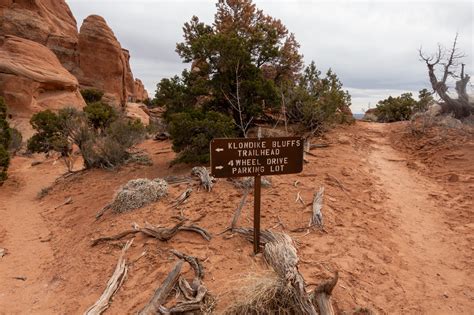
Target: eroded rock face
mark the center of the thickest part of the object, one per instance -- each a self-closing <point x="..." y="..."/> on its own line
<point x="48" y="22"/>
<point x="103" y="63"/>
<point x="141" y="93"/>
<point x="138" y="111"/>
<point x="32" y="79"/>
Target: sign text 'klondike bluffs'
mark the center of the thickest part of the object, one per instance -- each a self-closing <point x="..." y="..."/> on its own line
<point x="253" y="157"/>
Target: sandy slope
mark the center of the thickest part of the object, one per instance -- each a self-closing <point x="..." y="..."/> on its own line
<point x="400" y="237"/>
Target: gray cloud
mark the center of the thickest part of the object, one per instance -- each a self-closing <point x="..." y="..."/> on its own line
<point x="371" y="45"/>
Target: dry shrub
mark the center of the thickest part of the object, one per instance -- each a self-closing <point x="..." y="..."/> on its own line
<point x="138" y="193"/>
<point x="263" y="294"/>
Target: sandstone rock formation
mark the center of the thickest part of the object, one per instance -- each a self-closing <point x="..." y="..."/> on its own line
<point x="103" y="63"/>
<point x="32" y="79"/>
<point x="138" y="111"/>
<point x="141" y="93"/>
<point x="48" y="22"/>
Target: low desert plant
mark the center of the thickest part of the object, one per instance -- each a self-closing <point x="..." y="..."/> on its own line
<point x="5" y="141"/>
<point x="138" y="193"/>
<point x="92" y="95"/>
<point x="263" y="294"/>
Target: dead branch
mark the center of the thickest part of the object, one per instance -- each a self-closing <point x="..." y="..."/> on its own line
<point x="322" y="296"/>
<point x="194" y="262"/>
<point x="207" y="181"/>
<point x="163" y="234"/>
<point x="318" y="146"/>
<point x="102" y="211"/>
<point x="161" y="294"/>
<point x="196" y="229"/>
<point x="238" y="211"/>
<point x="182" y="198"/>
<point x="113" y="285"/>
<point x="333" y="180"/>
<point x="173" y="179"/>
<point x="299" y="199"/>
<point x="317" y="217"/>
<point x="68" y="201"/>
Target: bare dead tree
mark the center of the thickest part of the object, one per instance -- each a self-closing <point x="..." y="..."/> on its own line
<point x="236" y="104"/>
<point x="448" y="61"/>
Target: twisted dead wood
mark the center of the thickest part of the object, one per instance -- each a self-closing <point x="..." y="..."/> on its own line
<point x="160" y="233"/>
<point x="207" y="181"/>
<point x="113" y="285"/>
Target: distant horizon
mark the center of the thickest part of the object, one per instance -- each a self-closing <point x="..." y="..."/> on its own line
<point x="371" y="45"/>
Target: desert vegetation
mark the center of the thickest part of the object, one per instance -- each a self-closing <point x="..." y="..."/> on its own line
<point x="101" y="134"/>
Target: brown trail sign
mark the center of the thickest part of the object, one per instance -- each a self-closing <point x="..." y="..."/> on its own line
<point x="256" y="157"/>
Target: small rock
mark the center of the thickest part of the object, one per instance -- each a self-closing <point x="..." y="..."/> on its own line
<point x="3" y="252"/>
<point x="34" y="163"/>
<point x="445" y="294"/>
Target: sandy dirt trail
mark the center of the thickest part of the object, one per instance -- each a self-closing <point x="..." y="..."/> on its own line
<point x="431" y="259"/>
<point x="25" y="236"/>
<point x="389" y="234"/>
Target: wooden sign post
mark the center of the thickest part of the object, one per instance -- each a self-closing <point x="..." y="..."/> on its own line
<point x="256" y="157"/>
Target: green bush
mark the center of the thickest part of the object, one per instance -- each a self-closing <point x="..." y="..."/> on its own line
<point x="395" y="108"/>
<point x="102" y="148"/>
<point x="315" y="102"/>
<point x="100" y="115"/>
<point x="5" y="140"/>
<point x="192" y="132"/>
<point x="92" y="95"/>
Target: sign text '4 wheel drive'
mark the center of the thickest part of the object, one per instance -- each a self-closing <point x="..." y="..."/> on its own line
<point x="254" y="157"/>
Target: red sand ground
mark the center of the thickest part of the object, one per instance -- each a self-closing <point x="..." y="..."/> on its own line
<point x="400" y="232"/>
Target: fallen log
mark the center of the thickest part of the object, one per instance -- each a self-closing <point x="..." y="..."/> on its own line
<point x="161" y="294"/>
<point x="113" y="285"/>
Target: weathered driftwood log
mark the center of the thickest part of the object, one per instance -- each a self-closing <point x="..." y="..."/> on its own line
<point x="160" y="233"/>
<point x="161" y="294"/>
<point x="281" y="255"/>
<point x="322" y="296"/>
<point x="207" y="181"/>
<point x="114" y="283"/>
<point x="317" y="215"/>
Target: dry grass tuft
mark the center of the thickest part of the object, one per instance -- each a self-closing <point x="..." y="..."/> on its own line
<point x="138" y="193"/>
<point x="263" y="294"/>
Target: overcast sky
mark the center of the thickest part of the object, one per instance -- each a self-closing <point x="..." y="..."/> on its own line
<point x="371" y="45"/>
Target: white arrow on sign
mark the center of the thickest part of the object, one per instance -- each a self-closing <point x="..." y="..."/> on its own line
<point x="219" y="150"/>
<point x="219" y="167"/>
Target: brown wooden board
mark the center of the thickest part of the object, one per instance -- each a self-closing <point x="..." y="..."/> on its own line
<point x="253" y="157"/>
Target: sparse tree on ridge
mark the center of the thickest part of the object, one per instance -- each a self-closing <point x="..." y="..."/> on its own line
<point x="448" y="63"/>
